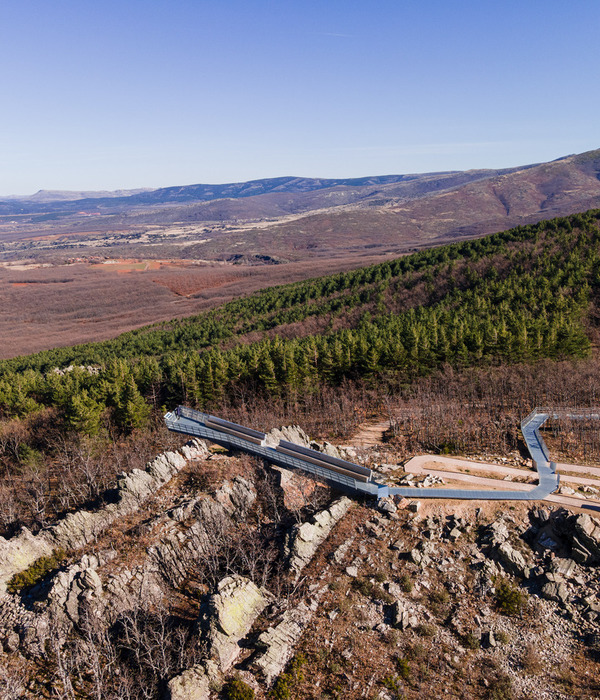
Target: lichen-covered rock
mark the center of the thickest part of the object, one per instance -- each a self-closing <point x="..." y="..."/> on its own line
<point x="192" y="684"/>
<point x="20" y="552"/>
<point x="278" y="642"/>
<point x="306" y="538"/>
<point x="232" y="612"/>
<point x="340" y="553"/>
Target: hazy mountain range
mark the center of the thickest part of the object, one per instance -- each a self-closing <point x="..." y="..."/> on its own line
<point x="389" y="210"/>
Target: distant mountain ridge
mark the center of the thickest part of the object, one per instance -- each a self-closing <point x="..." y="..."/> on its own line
<point x="74" y="195"/>
<point x="57" y="201"/>
<point x="295" y="218"/>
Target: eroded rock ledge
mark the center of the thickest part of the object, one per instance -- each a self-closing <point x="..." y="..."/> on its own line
<point x="80" y="528"/>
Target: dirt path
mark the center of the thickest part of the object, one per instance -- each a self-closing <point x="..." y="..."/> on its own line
<point x="369" y="434"/>
<point x="425" y="464"/>
<point x="477" y="481"/>
<point x="562" y="467"/>
<point x="417" y="465"/>
<point x="420" y="462"/>
<point x="573" y="502"/>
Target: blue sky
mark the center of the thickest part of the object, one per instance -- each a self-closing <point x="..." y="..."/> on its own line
<point x="105" y="95"/>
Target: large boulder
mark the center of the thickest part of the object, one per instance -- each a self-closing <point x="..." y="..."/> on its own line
<point x="586" y="540"/>
<point x="513" y="561"/>
<point x="192" y="684"/>
<point x="556" y="591"/>
<point x="291" y="433"/>
<point x="403" y="617"/>
<point x="306" y="538"/>
<point x="232" y="612"/>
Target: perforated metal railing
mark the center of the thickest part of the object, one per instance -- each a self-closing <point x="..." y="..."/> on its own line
<point x="190" y="422"/>
<point x="531" y="424"/>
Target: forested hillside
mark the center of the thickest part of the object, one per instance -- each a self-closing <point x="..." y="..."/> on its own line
<point x="514" y="297"/>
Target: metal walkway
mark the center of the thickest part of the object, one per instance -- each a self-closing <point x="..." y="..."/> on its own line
<point x="356" y="479"/>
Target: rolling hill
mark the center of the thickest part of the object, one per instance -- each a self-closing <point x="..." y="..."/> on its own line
<point x="120" y="266"/>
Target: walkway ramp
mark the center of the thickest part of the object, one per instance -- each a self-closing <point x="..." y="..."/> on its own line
<point x="355" y="478"/>
<point x="343" y="475"/>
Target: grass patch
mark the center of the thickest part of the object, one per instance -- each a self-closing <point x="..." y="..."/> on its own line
<point x="36" y="572"/>
<point x="510" y="599"/>
<point x="236" y="689"/>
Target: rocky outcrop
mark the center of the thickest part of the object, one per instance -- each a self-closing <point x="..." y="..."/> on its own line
<point x="236" y="498"/>
<point x="75" y="590"/>
<point x="297" y="489"/>
<point x="192" y="684"/>
<point x="403" y="615"/>
<point x="496" y="538"/>
<point x="232" y="612"/>
<point x="277" y="643"/>
<point x="291" y="433"/>
<point x="229" y="616"/>
<point x="207" y="522"/>
<point x="556" y="590"/>
<point x="306" y="538"/>
<point x="80" y="528"/>
<point x="20" y="552"/>
<point x="585" y="540"/>
<point x="513" y="561"/>
<point x="574" y="536"/>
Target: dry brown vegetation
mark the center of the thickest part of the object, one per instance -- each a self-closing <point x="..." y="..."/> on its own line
<point x="325" y="231"/>
<point x="45" y="473"/>
<point x="68" y="304"/>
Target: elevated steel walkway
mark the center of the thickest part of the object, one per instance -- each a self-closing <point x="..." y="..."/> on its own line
<point x="356" y="479"/>
<point x="189" y="422"/>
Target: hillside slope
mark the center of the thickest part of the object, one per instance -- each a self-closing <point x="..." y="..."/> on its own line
<point x="290" y="186"/>
<point x="452" y="346"/>
<point x="521" y="295"/>
<point x="299" y="218"/>
<point x="396" y="218"/>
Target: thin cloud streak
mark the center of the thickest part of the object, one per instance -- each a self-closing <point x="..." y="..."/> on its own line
<point x="344" y="36"/>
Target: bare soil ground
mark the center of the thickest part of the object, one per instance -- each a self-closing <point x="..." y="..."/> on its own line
<point x="370" y="434"/>
<point x="57" y="305"/>
<point x="452" y="469"/>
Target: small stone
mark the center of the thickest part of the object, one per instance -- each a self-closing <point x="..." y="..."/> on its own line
<point x="11" y="642"/>
<point x="387" y="505"/>
<point x="415" y="556"/>
<point x="454" y="534"/>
